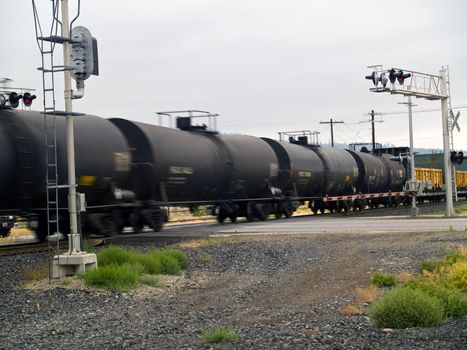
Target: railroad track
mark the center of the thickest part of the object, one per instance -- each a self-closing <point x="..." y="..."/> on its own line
<point x="35" y="246"/>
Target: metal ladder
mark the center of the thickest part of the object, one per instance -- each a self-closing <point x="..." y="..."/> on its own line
<point x="48" y="69"/>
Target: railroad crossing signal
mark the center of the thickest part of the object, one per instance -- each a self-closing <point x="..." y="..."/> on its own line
<point x="377" y="78"/>
<point x="457" y="157"/>
<point x="28" y="98"/>
<point x="398" y="75"/>
<point x="14" y="99"/>
<point x="454" y="123"/>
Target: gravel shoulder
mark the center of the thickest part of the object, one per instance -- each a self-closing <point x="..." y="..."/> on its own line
<point x="277" y="292"/>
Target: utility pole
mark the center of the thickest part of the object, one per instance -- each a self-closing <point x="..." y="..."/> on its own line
<point x="372" y="130"/>
<point x="331" y="122"/>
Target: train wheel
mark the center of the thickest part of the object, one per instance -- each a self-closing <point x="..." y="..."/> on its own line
<point x="119" y="225"/>
<point x="277" y="211"/>
<point x="233" y="218"/>
<point x="136" y="223"/>
<point x="314" y="207"/>
<point x="262" y="211"/>
<point x="287" y="209"/>
<point x="154" y="218"/>
<point x="4" y="232"/>
<point x="250" y="212"/>
<point x="221" y="215"/>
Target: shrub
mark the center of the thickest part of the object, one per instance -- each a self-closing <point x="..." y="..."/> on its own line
<point x="220" y="335"/>
<point x="427" y="265"/>
<point x="406" y="307"/>
<point x="457" y="276"/>
<point x="116" y="278"/>
<point x="453" y="302"/>
<point x="380" y="279"/>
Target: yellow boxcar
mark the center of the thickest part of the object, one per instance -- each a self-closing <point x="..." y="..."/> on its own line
<point x="436" y="177"/>
<point x="461" y="180"/>
<point x="433" y="175"/>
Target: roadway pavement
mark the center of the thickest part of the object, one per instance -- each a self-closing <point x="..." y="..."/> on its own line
<point x="317" y="224"/>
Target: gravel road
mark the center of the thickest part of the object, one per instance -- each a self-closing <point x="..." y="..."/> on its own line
<point x="279" y="292"/>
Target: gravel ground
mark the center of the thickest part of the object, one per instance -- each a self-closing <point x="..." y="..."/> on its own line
<point x="280" y="292"/>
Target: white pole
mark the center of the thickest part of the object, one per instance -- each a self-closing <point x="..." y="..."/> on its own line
<point x="73" y="241"/>
<point x="447" y="151"/>
<point x="414" y="209"/>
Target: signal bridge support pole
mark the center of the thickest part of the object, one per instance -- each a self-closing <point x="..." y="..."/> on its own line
<point x="414" y="211"/>
<point x="447" y="152"/>
<point x="75" y="260"/>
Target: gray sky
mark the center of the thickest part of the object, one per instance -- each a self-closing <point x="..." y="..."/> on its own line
<point x="264" y="65"/>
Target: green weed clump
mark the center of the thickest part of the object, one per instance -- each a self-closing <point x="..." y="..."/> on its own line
<point x="405" y="308"/>
<point x="114" y="255"/>
<point x="438" y="290"/>
<point x="220" y="335"/>
<point x="115" y="278"/>
<point x="461" y="209"/>
<point x="121" y="269"/>
<point x="381" y="279"/>
<point x="453" y="301"/>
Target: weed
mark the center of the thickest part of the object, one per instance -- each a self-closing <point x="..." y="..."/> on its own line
<point x="427" y="265"/>
<point x="456" y="276"/>
<point x="116" y="278"/>
<point x="461" y="209"/>
<point x="367" y="295"/>
<point x="114" y="255"/>
<point x="37" y="273"/>
<point x="403" y="277"/>
<point x="406" y="307"/>
<point x="120" y="269"/>
<point x="65" y="281"/>
<point x="381" y="279"/>
<point x="176" y="254"/>
<point x="205" y="242"/>
<point x="451" y="228"/>
<point x="453" y="302"/>
<point x="350" y="310"/>
<point x="150" y="280"/>
<point x="220" y="335"/>
<point x="206" y="258"/>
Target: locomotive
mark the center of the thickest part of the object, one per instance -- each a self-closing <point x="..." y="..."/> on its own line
<point x="131" y="172"/>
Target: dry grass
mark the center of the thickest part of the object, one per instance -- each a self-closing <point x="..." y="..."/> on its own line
<point x="37" y="273"/>
<point x="403" y="277"/>
<point x="368" y="294"/>
<point x="205" y="242"/>
<point x="350" y="310"/>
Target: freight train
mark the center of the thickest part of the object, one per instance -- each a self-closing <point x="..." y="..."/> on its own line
<point x="131" y="172"/>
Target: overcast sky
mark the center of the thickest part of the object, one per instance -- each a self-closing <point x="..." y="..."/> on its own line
<point x="263" y="65"/>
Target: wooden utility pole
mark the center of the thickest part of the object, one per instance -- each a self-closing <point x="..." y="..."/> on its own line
<point x="331" y="122"/>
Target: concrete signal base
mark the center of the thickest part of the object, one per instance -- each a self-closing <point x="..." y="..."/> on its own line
<point x="70" y="264"/>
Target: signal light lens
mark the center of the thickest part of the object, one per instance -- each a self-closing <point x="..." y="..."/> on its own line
<point x="14" y="99"/>
<point x="402" y="77"/>
<point x="460" y="158"/>
<point x="28" y="98"/>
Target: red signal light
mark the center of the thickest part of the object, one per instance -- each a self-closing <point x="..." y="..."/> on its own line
<point x="28" y="98"/>
<point x="460" y="158"/>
